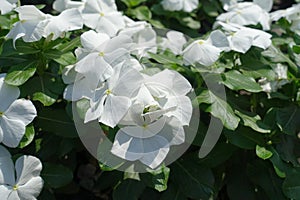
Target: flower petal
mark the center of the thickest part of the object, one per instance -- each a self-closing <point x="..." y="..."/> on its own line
<point x="14" y="195"/>
<point x="68" y="20"/>
<point x="91" y="40"/>
<point x="183" y="111"/>
<point x="145" y="132"/>
<point x="7" y="173"/>
<point x="155" y="151"/>
<point x="13" y="131"/>
<point x="127" y="147"/>
<point x="115" y="108"/>
<point x="22" y="110"/>
<point x="31" y="189"/>
<point x="5" y="192"/>
<point x="27" y="167"/>
<point x="172" y="82"/>
<point x="8" y="94"/>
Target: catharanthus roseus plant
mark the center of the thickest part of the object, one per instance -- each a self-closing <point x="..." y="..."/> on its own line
<point x="149" y="99"/>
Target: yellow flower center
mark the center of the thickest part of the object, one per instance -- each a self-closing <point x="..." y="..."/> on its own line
<point x="15" y="187"/>
<point x="101" y="14"/>
<point x="1" y="114"/>
<point x="201" y="42"/>
<point x="145" y="126"/>
<point x="108" y="92"/>
<point x="101" y="53"/>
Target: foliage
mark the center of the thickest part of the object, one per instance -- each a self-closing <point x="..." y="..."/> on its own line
<point x="257" y="154"/>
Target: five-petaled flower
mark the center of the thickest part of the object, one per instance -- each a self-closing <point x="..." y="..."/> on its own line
<point x="21" y="181"/>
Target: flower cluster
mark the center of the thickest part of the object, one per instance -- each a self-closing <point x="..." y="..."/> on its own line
<point x="151" y="110"/>
<point x="34" y="24"/>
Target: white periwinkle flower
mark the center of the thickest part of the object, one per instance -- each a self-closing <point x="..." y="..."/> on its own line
<point x="174" y="41"/>
<point x="176" y="5"/>
<point x="206" y="52"/>
<point x="290" y="13"/>
<point x="113" y="99"/>
<point x="34" y="24"/>
<point x="15" y="114"/>
<point x="26" y="184"/>
<point x="242" y="38"/>
<point x="246" y="13"/>
<point x="102" y="15"/>
<point x="143" y="36"/>
<point x="98" y="55"/>
<point x="7" y="5"/>
<point x="155" y="120"/>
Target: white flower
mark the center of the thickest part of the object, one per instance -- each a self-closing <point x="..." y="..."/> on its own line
<point x="142" y="35"/>
<point x="31" y="25"/>
<point x="15" y="114"/>
<point x="113" y="99"/>
<point x="155" y="121"/>
<point x="99" y="54"/>
<point x="7" y="5"/>
<point x="27" y="184"/>
<point x="34" y="24"/>
<point x="68" y="20"/>
<point x="290" y="13"/>
<point x="61" y="5"/>
<point x="176" y="5"/>
<point x="242" y="38"/>
<point x="102" y="15"/>
<point x="206" y="52"/>
<point x="174" y="41"/>
<point x="280" y="80"/>
<point x="246" y="13"/>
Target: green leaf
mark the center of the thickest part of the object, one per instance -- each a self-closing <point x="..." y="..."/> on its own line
<point x="28" y="137"/>
<point x="291" y="185"/>
<point x="66" y="59"/>
<point x="288" y="119"/>
<point x="220" y="109"/>
<point x="220" y="153"/>
<point x="157" y="179"/>
<point x="253" y="121"/>
<point x="276" y="56"/>
<point x="196" y="181"/>
<point x="245" y="138"/>
<point x="133" y="3"/>
<point x="142" y="13"/>
<point x="173" y="193"/>
<point x="165" y="59"/>
<point x="261" y="174"/>
<point x="296" y="49"/>
<point x="69" y="46"/>
<point x="56" y="121"/>
<point x="43" y="98"/>
<point x="237" y="81"/>
<point x="19" y="74"/>
<point x="56" y="175"/>
<point x="263" y="153"/>
<point x="190" y="22"/>
<point x="128" y="189"/>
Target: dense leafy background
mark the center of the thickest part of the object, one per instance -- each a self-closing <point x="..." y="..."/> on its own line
<point x="257" y="156"/>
